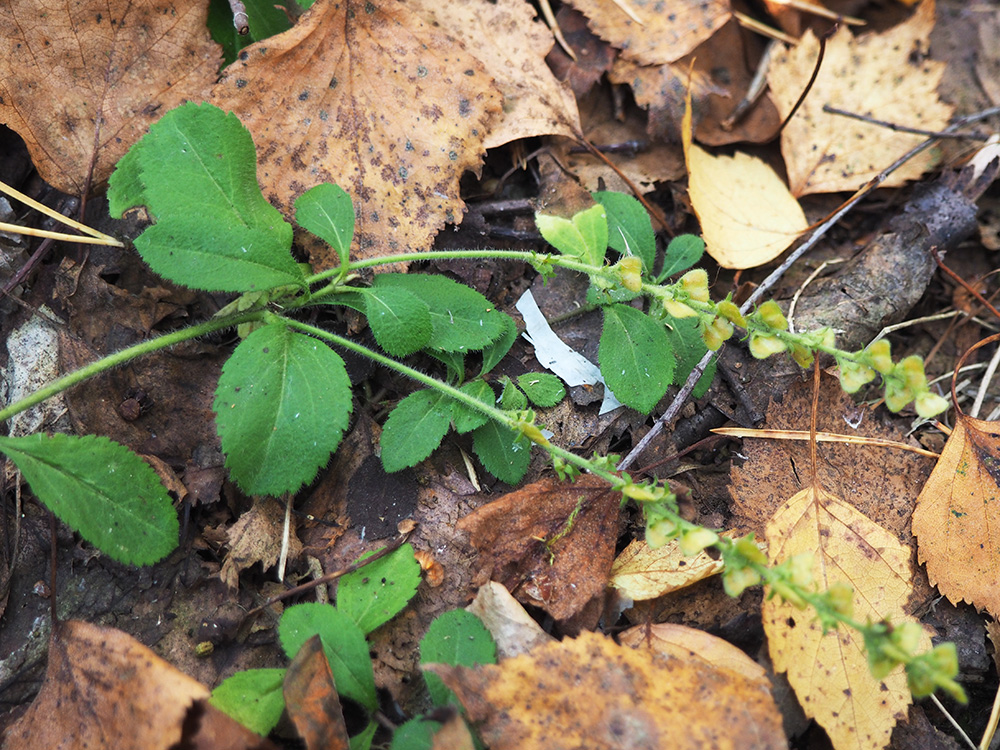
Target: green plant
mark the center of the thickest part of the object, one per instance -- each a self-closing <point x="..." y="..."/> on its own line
<point x="284" y="398"/>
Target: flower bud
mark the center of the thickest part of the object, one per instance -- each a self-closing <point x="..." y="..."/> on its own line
<point x="800" y="569"/>
<point x="659" y="531"/>
<point x="695" y="540"/>
<point x="737" y="580"/>
<point x="716" y="333"/>
<point x="770" y="313"/>
<point x="731" y="312"/>
<point x="853" y="376"/>
<point x="678" y="309"/>
<point x="788" y="594"/>
<point x="802" y="356"/>
<point x="879" y="356"/>
<point x="911" y="370"/>
<point x="907" y="636"/>
<point x="747" y="547"/>
<point x="929" y="404"/>
<point x="642" y="493"/>
<point x="630" y="272"/>
<point x="695" y="283"/>
<point x="763" y="346"/>
<point x="897" y="396"/>
<point x="841" y="598"/>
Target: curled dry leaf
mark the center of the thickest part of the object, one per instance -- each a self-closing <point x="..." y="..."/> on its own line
<point x="829" y="672"/>
<point x="637" y="699"/>
<point x="514" y="631"/>
<point x="105" y="689"/>
<point x="383" y="104"/>
<point x="661" y="37"/>
<point x="527" y="542"/>
<point x="81" y="83"/>
<point x="256" y="538"/>
<point x="886" y="76"/>
<point x="956" y="519"/>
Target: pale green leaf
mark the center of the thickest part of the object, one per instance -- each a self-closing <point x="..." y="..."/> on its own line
<point x="585" y="236"/>
<point x="253" y="697"/>
<point x="326" y="211"/>
<point x="635" y="357"/>
<point x="374" y="594"/>
<point x="415" y="429"/>
<point x="630" y="231"/>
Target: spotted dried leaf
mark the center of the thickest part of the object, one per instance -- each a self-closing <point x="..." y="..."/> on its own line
<point x="371" y="97"/>
<point x="81" y="83"/>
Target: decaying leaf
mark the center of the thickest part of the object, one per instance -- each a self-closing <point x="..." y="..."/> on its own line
<point x="830" y="672"/>
<point x="514" y="631"/>
<point x="370" y="97"/>
<point x="524" y="544"/>
<point x="105" y="689"/>
<point x="312" y="701"/>
<point x="886" y="76"/>
<point x="639" y="698"/>
<point x="661" y="36"/>
<point x="747" y="215"/>
<point x="957" y="519"/>
<point x="256" y="537"/>
<point x="512" y="47"/>
<point x="691" y="643"/>
<point x="81" y="83"/>
<point x="641" y="572"/>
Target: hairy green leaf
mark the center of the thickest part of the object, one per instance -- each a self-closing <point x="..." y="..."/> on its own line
<point x="415" y="734"/>
<point x="511" y="397"/>
<point x="400" y="320"/>
<point x="374" y="594"/>
<point x="685" y="338"/>
<point x="542" y="388"/>
<point x="457" y="638"/>
<point x="461" y="318"/>
<point x="630" y="231"/>
<point x="414" y="429"/>
<point x="327" y="212"/>
<point x="466" y="418"/>
<point x="504" y="453"/>
<point x="100" y="489"/>
<point x="496" y="351"/>
<point x="585" y="236"/>
<point x="343" y="643"/>
<point x="635" y="357"/>
<point x="683" y="252"/>
<point x="282" y="405"/>
<point x="453" y="361"/>
<point x="253" y="697"/>
<point x="196" y="172"/>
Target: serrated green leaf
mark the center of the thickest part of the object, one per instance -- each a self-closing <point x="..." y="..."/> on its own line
<point x="585" y="236"/>
<point x="282" y="404"/>
<point x="511" y="397"/>
<point x="683" y="252"/>
<point x="462" y="319"/>
<point x="253" y="697"/>
<point x="214" y="230"/>
<point x="326" y="211"/>
<point x="466" y="418"/>
<point x="415" y="429"/>
<point x="457" y="638"/>
<point x="374" y="594"/>
<point x="542" y="388"/>
<point x="496" y="351"/>
<point x="343" y="643"/>
<point x="635" y="357"/>
<point x="685" y="338"/>
<point x="453" y="361"/>
<point x="630" y="231"/>
<point x="504" y="453"/>
<point x="100" y="489"/>
<point x="415" y="734"/>
<point x="400" y="320"/>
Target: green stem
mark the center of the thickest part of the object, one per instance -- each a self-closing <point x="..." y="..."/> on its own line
<point x="121" y="357"/>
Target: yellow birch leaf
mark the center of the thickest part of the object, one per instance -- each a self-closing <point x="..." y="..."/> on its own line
<point x="748" y="217"/>
<point x="829" y="672"/>
<point x="886" y="76"/>
<point x="641" y="572"/>
<point x="957" y="517"/>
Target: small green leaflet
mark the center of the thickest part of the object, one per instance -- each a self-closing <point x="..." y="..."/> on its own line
<point x="683" y="252"/>
<point x="585" y="236"/>
<point x="504" y="453"/>
<point x="374" y="594"/>
<point x="635" y="357"/>
<point x="465" y="417"/>
<point x="461" y="318"/>
<point x="196" y="172"/>
<point x="282" y="404"/>
<point x="542" y="388"/>
<point x="414" y="429"/>
<point x="100" y="489"/>
<point x="400" y="320"/>
<point x="343" y="643"/>
<point x="685" y="339"/>
<point x="253" y="697"/>
<point x="327" y="212"/>
<point x="630" y="231"/>
<point x="496" y="351"/>
<point x="511" y="397"/>
<point x="457" y="638"/>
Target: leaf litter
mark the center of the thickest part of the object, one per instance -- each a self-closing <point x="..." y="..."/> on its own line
<point x="290" y="140"/>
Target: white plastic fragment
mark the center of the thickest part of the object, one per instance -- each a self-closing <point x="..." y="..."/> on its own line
<point x="554" y="354"/>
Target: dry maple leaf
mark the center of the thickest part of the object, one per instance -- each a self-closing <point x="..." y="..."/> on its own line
<point x="524" y="544"/>
<point x="886" y="76"/>
<point x="590" y="692"/>
<point x="81" y="82"/>
<point x="665" y="34"/>
<point x="957" y="517"/>
<point x="512" y="47"/>
<point x="372" y="98"/>
<point x="104" y="689"/>
<point x="829" y="672"/>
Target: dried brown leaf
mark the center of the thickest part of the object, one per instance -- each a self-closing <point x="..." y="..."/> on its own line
<point x="312" y="701"/>
<point x="256" y="537"/>
<point x="80" y="83"/>
<point x="641" y="572"/>
<point x="369" y="96"/>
